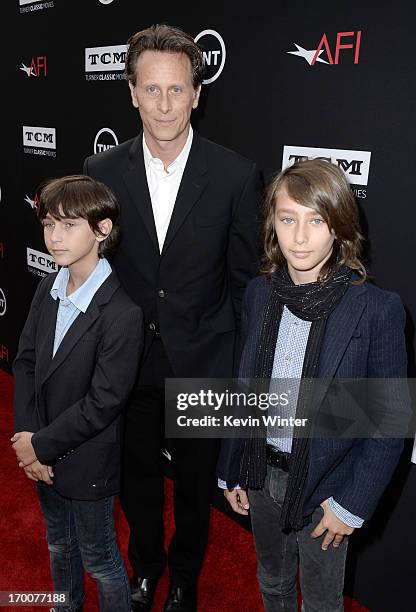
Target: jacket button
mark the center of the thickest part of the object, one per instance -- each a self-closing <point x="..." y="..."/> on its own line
<point x="161" y="293"/>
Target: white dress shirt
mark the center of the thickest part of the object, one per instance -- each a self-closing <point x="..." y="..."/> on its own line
<point x="164" y="185"/>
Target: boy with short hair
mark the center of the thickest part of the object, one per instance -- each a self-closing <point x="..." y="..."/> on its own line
<point x="76" y="363"/>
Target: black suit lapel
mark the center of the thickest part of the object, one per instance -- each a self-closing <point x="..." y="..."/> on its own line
<point x="80" y="326"/>
<point x="46" y="335"/>
<point x="194" y="181"/>
<point x="136" y="182"/>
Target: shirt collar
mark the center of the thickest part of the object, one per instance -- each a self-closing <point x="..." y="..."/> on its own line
<point x="179" y="161"/>
<point x="82" y="297"/>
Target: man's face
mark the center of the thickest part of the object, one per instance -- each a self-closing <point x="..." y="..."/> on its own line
<point x="164" y="95"/>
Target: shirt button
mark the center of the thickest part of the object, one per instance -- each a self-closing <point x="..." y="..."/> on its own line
<point x="161" y="293"/>
<point x="288" y="358"/>
<point x="295" y="322"/>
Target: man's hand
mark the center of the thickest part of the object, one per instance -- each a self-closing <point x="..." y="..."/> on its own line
<point x="36" y="471"/>
<point x="23" y="448"/>
<point x="334" y="527"/>
<point x="238" y="500"/>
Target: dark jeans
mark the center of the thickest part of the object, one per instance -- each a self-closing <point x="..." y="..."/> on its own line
<point x="321" y="572"/>
<point x="80" y="536"/>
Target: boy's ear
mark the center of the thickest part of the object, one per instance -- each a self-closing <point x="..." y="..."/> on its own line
<point x="105" y="227"/>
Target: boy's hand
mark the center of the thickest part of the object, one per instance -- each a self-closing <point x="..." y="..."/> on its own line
<point x="334" y="527"/>
<point x="36" y="471"/>
<point x="238" y="500"/>
<point x="23" y="448"/>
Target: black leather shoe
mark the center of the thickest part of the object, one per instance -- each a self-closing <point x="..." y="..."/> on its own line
<point x="142" y="593"/>
<point x="181" y="599"/>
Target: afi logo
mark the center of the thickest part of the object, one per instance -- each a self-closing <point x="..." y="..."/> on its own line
<point x="37" y="67"/>
<point x="4" y="353"/>
<point x="344" y="41"/>
<point x="34" y="204"/>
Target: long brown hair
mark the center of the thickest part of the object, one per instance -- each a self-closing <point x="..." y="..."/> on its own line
<point x="323" y="187"/>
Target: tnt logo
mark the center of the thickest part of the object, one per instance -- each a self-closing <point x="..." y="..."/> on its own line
<point x="104" y="140"/>
<point x="213" y="51"/>
<point x="36" y="68"/>
<point x="345" y="42"/>
<point x="3" y="303"/>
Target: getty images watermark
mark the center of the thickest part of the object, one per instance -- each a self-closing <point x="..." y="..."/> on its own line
<point x="282" y="408"/>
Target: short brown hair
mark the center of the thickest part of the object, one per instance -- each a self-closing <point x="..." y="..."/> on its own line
<point x="323" y="187"/>
<point x="77" y="195"/>
<point x="169" y="39"/>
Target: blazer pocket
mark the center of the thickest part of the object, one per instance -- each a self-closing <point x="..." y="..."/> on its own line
<point x="211" y="220"/>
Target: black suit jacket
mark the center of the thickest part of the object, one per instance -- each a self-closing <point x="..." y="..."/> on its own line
<point x="192" y="291"/>
<point x="73" y="400"/>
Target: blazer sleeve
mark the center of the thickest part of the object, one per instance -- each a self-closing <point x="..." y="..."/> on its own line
<point x="25" y="416"/>
<point x="228" y="465"/>
<point x="244" y="248"/>
<point x="114" y="375"/>
<point x="378" y="457"/>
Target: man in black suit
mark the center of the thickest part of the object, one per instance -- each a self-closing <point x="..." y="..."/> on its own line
<point x="189" y="219"/>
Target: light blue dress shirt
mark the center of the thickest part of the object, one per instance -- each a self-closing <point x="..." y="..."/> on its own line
<point x="288" y="364"/>
<point x="70" y="306"/>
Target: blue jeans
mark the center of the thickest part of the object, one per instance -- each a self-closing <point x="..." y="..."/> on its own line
<point x="80" y="536"/>
<point x="321" y="572"/>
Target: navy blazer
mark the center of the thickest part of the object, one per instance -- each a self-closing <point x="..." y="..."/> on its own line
<point x="72" y="401"/>
<point x="364" y="338"/>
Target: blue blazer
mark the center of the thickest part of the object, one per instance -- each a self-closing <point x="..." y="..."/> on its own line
<point x="364" y="338"/>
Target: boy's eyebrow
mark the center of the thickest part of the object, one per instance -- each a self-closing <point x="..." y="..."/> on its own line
<point x="293" y="211"/>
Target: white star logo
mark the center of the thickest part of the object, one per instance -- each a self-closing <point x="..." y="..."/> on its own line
<point x="308" y="55"/>
<point x="32" y="203"/>
<point x="29" y="71"/>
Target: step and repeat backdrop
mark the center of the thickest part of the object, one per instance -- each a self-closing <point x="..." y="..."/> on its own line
<point x="330" y="80"/>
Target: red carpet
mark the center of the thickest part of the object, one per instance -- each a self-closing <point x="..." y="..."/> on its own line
<point x="228" y="580"/>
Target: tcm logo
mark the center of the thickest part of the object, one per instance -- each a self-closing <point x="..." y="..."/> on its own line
<point x="355" y="164"/>
<point x="346" y="42"/>
<point x="105" y="59"/>
<point x="42" y="137"/>
<point x="34" y="204"/>
<point x="104" y="140"/>
<point x="3" y="303"/>
<point x="41" y="261"/>
<point x="36" y="68"/>
<point x="4" y="353"/>
<point x="213" y="51"/>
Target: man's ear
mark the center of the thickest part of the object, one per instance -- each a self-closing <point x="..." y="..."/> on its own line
<point x="133" y="95"/>
<point x="105" y="226"/>
<point x="197" y="93"/>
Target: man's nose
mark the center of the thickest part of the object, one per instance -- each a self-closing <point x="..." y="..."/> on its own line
<point x="164" y="102"/>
